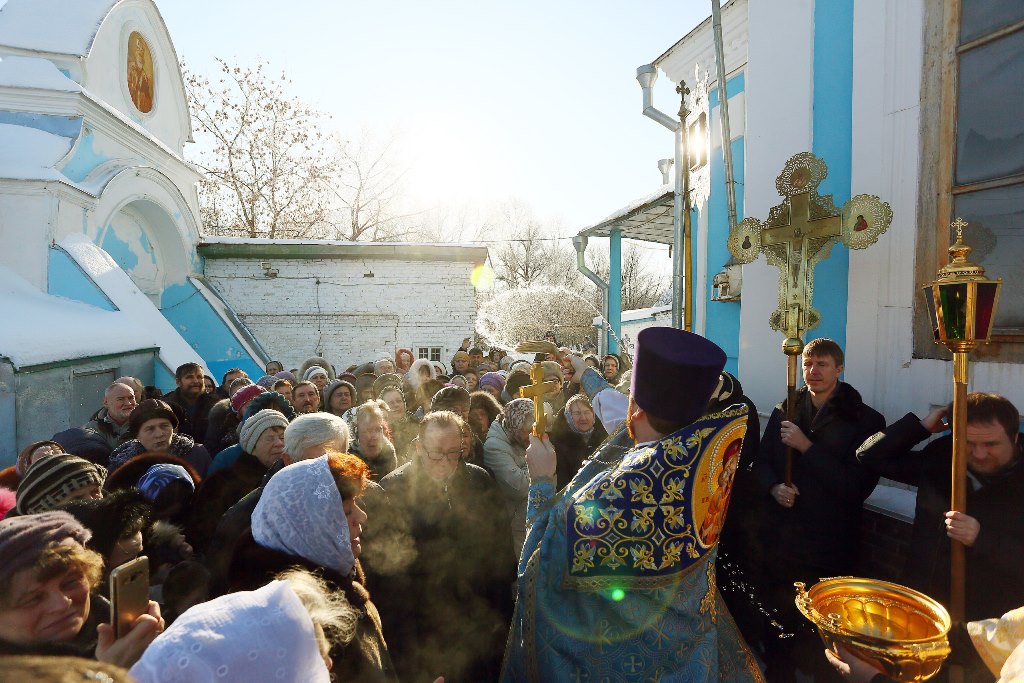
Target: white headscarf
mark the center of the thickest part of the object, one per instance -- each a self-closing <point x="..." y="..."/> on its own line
<point x="300" y="513"/>
<point x="261" y="635"/>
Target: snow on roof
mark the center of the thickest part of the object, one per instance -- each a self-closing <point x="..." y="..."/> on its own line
<point x="337" y="243"/>
<point x="83" y="330"/>
<point x="34" y="72"/>
<point x="631" y="207"/>
<point x="58" y="26"/>
<point x="636" y="314"/>
<point x="130" y="300"/>
<point x="31" y="154"/>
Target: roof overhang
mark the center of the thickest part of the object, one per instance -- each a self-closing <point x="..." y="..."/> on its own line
<point x="648" y="219"/>
<point x="227" y="247"/>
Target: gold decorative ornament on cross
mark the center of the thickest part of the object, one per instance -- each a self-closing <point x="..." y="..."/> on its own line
<point x="537" y="390"/>
<point x="797" y="235"/>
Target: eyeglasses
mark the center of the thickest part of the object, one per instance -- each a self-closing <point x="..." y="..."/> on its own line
<point x="437" y="456"/>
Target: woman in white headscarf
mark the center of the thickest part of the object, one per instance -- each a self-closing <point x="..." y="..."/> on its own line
<point x="280" y="632"/>
<point x="308" y="517"/>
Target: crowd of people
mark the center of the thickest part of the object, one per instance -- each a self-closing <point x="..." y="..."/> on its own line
<point x="377" y="523"/>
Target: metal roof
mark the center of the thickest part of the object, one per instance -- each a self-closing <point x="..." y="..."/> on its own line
<point x="648" y="219"/>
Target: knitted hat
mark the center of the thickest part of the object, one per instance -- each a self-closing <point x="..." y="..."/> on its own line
<point x="23" y="538"/>
<point x="333" y="386"/>
<point x="348" y="377"/>
<point x="284" y="374"/>
<point x="21" y="465"/>
<point x="52" y="479"/>
<point x="255" y="425"/>
<point x="150" y="409"/>
<point x="492" y="379"/>
<point x="246" y="393"/>
<point x="111" y="518"/>
<point x="272" y="400"/>
<point x="239" y="382"/>
<point x="267" y="381"/>
<point x="313" y="372"/>
<point x="461" y="355"/>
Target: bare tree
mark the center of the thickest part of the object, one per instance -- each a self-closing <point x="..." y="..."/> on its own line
<point x="530" y="253"/>
<point x="642" y="287"/>
<point x="262" y="152"/>
<point x="368" y="192"/>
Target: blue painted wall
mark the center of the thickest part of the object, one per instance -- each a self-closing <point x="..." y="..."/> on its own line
<point x="65" y="126"/>
<point x="85" y="159"/>
<point x="205" y="331"/>
<point x="832" y="136"/>
<point x="722" y="324"/>
<point x="65" y="278"/>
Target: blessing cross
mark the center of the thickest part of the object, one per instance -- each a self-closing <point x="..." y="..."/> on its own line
<point x="536" y="391"/>
<point x="799" y="234"/>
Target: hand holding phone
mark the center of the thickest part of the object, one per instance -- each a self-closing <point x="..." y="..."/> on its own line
<point x="129" y="594"/>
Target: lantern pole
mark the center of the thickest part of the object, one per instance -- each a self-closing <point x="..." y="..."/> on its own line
<point x="958" y="552"/>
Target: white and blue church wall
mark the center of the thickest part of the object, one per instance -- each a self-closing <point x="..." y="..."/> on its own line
<point x="97" y="203"/>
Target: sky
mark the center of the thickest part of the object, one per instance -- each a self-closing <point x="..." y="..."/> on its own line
<point x="536" y="101"/>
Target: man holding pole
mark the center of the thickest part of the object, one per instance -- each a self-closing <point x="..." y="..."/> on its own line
<point x="992" y="528"/>
<point x="813" y="521"/>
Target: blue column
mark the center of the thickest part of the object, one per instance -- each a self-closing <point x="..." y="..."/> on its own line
<point x="614" y="288"/>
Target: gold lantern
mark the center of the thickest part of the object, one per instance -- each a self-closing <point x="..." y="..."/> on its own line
<point x="962" y="304"/>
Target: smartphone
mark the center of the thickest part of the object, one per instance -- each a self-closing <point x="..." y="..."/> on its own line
<point x="129" y="594"/>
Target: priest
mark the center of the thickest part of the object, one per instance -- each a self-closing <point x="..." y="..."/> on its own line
<point x="616" y="579"/>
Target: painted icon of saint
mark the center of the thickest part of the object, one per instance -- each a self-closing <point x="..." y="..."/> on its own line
<point x="714" y="518"/>
<point x="140" y="73"/>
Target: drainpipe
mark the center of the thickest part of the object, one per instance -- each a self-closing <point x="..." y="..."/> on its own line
<point x="723" y="112"/>
<point x="580" y="244"/>
<point x="682" y="248"/>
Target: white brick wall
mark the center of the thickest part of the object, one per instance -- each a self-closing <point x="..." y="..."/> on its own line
<point x="405" y="304"/>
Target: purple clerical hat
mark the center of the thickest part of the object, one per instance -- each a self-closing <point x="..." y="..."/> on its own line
<point x="675" y="373"/>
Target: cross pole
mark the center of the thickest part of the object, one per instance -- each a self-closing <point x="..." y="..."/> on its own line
<point x="798" y="234"/>
<point x="536" y="391"/>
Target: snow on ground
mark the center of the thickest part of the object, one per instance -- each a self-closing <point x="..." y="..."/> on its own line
<point x="131" y="301"/>
<point x="60" y="26"/>
<point x="30" y="154"/>
<point x="42" y="328"/>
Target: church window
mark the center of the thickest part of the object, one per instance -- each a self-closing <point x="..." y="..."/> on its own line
<point x="976" y="90"/>
<point x="431" y="353"/>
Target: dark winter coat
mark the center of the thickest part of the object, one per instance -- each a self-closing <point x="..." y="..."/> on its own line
<point x="571" y="448"/>
<point x="822" y="529"/>
<point x="220" y="491"/>
<point x="385" y="464"/>
<point x="366" y="658"/>
<point x="182" y="446"/>
<point x="994" y="584"/>
<point x="113" y="434"/>
<point x="192" y="418"/>
<point x="441" y="565"/>
<point x="221" y="428"/>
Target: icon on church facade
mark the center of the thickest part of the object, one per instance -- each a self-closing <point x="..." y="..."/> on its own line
<point x="140" y="72"/>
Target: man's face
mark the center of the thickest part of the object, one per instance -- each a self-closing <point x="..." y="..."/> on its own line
<point x="119" y="402"/>
<point x="307" y="399"/>
<point x="155" y="434"/>
<point x="192" y="384"/>
<point x="461" y="364"/>
<point x="475" y="359"/>
<point x="371" y="437"/>
<point x="341" y="400"/>
<point x="50" y="611"/>
<point x="270" y="446"/>
<point x="439" y="451"/>
<point x="821" y="374"/>
<point x="232" y="376"/>
<point x="285" y="389"/>
<point x="989" y="448"/>
<point x="611" y="368"/>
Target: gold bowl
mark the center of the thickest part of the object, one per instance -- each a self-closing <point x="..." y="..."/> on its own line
<point x="896" y="629"/>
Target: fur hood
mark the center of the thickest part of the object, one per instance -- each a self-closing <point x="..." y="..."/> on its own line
<point x="316" y="360"/>
<point x="413" y="375"/>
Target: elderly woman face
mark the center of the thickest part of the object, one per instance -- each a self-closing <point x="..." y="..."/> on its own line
<point x="341" y="400"/>
<point x="155" y="434"/>
<point x="582" y="416"/>
<point x="320" y="380"/>
<point x="386" y="367"/>
<point x="44" y="611"/>
<point x="472" y="381"/>
<point x="395" y="401"/>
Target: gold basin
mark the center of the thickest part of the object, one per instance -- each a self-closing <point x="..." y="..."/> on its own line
<point x="900" y="631"/>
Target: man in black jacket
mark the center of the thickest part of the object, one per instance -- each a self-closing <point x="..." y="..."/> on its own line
<point x="190" y="402"/>
<point x="992" y="528"/>
<point x="812" y="525"/>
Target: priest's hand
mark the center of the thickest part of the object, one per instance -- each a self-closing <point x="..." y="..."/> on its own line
<point x="794" y="436"/>
<point x="785" y="495"/>
<point x="578" y="366"/>
<point x="934" y="421"/>
<point x="962" y="527"/>
<point x="540" y="458"/>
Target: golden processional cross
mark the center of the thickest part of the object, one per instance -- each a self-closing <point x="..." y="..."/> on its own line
<point x="799" y="234"/>
<point x="539" y="388"/>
